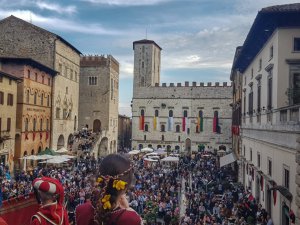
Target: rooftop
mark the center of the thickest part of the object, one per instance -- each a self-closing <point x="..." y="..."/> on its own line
<point x="146" y="41"/>
<point x="266" y="22"/>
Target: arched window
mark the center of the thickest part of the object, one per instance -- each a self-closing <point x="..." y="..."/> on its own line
<point x="142" y="112"/>
<point x="146" y="127"/>
<point x="163" y="137"/>
<point x="26" y="124"/>
<point x="41" y="124"/>
<point x="162" y="128"/>
<point x="42" y="99"/>
<point x="171" y="113"/>
<point x="156" y="113"/>
<point x="216" y="113"/>
<point x="35" y="96"/>
<point x="185" y="113"/>
<point x="34" y="124"/>
<point x="27" y="96"/>
<point x="177" y="128"/>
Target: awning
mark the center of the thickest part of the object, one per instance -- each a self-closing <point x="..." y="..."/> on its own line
<point x="227" y="159"/>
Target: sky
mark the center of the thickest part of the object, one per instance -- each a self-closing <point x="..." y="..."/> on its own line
<point x="198" y="37"/>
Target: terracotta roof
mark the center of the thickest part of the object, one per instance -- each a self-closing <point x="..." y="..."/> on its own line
<point x="146" y="41"/>
<point x="29" y="61"/>
<point x="9" y="75"/>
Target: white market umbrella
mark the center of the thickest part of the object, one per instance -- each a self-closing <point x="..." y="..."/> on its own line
<point x="154" y="157"/>
<point x="42" y="157"/>
<point x="147" y="150"/>
<point x="30" y="157"/>
<point x="55" y="161"/>
<point x="62" y="150"/>
<point x="134" y="152"/>
<point x="150" y="160"/>
<point x="170" y="159"/>
<point x="161" y="151"/>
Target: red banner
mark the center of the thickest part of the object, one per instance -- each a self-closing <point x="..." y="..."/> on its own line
<point x="47" y="135"/>
<point x="215" y="124"/>
<point x="183" y="123"/>
<point x="33" y="135"/>
<point x="142" y="122"/>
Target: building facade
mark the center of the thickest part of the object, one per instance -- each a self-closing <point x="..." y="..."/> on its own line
<point x="99" y="99"/>
<point x="176" y="117"/>
<point x="269" y="66"/>
<point x="8" y="109"/>
<point x="124" y="133"/>
<point x="33" y="120"/>
<point x="22" y="39"/>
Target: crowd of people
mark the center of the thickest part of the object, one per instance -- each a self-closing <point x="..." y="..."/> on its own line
<point x="212" y="195"/>
<point x="215" y="198"/>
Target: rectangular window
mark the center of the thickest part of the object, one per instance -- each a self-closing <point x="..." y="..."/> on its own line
<point x="258" y="96"/>
<point x="295" y="93"/>
<point x="269" y="167"/>
<point x="1" y="98"/>
<point x="66" y="72"/>
<point x="10" y="81"/>
<point x="260" y="65"/>
<point x="250" y="154"/>
<point x="271" y="51"/>
<point x="286" y="177"/>
<point x="250" y="103"/>
<point x="8" y="124"/>
<point x="71" y="74"/>
<point x="270" y="90"/>
<point x="10" y="99"/>
<point x="297" y="44"/>
<point x="93" y="80"/>
<point x="283" y="116"/>
<point x="112" y="88"/>
<point x="258" y="160"/>
<point x="57" y="113"/>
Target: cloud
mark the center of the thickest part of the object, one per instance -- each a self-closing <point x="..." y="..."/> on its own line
<point x="60" y="24"/>
<point x="127" y="2"/>
<point x="56" y="8"/>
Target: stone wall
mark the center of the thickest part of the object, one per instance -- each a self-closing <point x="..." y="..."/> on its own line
<point x="192" y="99"/>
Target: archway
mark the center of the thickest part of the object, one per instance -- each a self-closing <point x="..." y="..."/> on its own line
<point x="103" y="146"/>
<point x="222" y="147"/>
<point x="70" y="141"/>
<point x="158" y="146"/>
<point x="60" y="142"/>
<point x="169" y="148"/>
<point x="40" y="149"/>
<point x="140" y="146"/>
<point x="96" y="126"/>
<point x="188" y="144"/>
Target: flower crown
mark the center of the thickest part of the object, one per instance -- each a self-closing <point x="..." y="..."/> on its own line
<point x="117" y="184"/>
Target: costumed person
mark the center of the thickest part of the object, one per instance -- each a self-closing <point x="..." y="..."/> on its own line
<point x="111" y="206"/>
<point x="50" y="194"/>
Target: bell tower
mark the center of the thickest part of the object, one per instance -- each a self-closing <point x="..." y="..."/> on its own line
<point x="146" y="64"/>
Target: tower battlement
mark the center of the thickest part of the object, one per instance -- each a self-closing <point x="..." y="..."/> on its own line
<point x="99" y="61"/>
<point x="194" y="84"/>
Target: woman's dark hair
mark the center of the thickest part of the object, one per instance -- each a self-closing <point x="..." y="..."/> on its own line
<point x="113" y="167"/>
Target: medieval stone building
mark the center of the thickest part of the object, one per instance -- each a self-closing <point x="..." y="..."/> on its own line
<point x="19" y="38"/>
<point x="175" y="116"/>
<point x="99" y="99"/>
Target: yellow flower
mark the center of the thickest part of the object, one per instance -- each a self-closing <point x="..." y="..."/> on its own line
<point x="99" y="180"/>
<point x="119" y="184"/>
<point x="106" y="202"/>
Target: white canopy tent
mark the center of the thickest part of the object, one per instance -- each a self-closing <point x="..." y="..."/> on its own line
<point x="170" y="159"/>
<point x="134" y="152"/>
<point x="62" y="150"/>
<point x="227" y="159"/>
<point x="150" y="160"/>
<point x="147" y="150"/>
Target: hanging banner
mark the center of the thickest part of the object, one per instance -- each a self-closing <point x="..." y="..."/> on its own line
<point x="170" y="123"/>
<point x="154" y="123"/>
<point x="201" y="123"/>
<point x="142" y="122"/>
<point x="215" y="124"/>
<point x="183" y="124"/>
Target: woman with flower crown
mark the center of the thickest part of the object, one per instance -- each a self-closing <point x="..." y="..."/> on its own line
<point x="110" y="206"/>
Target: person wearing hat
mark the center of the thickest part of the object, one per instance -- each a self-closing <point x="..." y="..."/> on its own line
<point x="50" y="194"/>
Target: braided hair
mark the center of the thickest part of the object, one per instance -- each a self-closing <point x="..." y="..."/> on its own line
<point x="113" y="167"/>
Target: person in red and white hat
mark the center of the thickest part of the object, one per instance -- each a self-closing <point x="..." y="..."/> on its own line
<point x="50" y="194"/>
